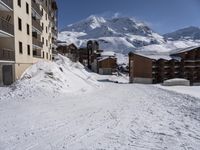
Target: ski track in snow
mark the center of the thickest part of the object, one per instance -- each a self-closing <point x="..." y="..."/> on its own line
<point x="115" y="116"/>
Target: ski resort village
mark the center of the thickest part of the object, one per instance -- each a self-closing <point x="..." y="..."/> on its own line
<point x="101" y="83"/>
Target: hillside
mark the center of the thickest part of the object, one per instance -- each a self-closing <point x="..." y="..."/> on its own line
<point x="189" y="33"/>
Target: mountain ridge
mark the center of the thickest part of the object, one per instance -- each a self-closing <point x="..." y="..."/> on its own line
<point x="121" y="34"/>
<point x="188" y="33"/>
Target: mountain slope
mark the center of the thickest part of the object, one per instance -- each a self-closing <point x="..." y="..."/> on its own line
<point x="189" y="33"/>
<point x="118" y="34"/>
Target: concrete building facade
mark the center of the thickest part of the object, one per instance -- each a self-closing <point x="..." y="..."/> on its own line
<point x="28" y="33"/>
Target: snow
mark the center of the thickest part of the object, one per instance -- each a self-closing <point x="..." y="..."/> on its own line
<point x="119" y="34"/>
<point x="176" y="82"/>
<point x="96" y="21"/>
<point x="108" y="53"/>
<point x="117" y="116"/>
<point x="188" y="33"/>
<point x="122" y="59"/>
<point x="155" y="56"/>
<point x="62" y="76"/>
<point x="108" y="114"/>
<point x="125" y="34"/>
<point x="189" y="90"/>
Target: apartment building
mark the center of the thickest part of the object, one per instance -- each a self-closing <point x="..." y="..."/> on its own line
<point x="152" y="68"/>
<point x="28" y="33"/>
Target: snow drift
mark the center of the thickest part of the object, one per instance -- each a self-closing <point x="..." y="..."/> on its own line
<point x="56" y="77"/>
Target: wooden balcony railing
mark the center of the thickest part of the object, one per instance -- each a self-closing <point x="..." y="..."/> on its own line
<point x="7" y="55"/>
<point x="9" y="3"/>
<point x="6" y="26"/>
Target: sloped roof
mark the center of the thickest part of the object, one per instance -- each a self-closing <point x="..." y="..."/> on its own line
<point x="158" y="56"/>
<point x="104" y="58"/>
<point x="184" y="50"/>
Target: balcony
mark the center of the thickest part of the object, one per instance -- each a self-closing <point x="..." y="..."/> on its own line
<point x="7" y="27"/>
<point x="54" y="32"/>
<point x="36" y="7"/>
<point x="9" y="3"/>
<point x="37" y="53"/>
<point x="7" y="55"/>
<point x="37" y="42"/>
<point x="36" y="24"/>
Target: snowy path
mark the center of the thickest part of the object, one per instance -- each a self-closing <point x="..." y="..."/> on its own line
<point x="118" y="116"/>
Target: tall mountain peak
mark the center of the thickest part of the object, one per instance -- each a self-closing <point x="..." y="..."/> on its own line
<point x="121" y="34"/>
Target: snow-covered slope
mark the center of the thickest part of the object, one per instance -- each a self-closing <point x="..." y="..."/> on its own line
<point x="191" y="33"/>
<point x="168" y="46"/>
<point x="61" y="76"/>
<point x="117" y="34"/>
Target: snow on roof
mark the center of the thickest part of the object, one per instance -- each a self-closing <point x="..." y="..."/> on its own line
<point x="108" y="53"/>
<point x="104" y="58"/>
<point x="184" y="49"/>
<point x="157" y="56"/>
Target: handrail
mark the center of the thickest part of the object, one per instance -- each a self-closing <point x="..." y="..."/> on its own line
<point x="6" y="26"/>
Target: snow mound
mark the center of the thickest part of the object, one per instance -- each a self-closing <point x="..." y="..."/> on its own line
<point x="61" y="76"/>
<point x="177" y="82"/>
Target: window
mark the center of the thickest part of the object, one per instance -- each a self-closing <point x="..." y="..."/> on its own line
<point x="47" y="56"/>
<point x="27" y="8"/>
<point x="43" y="55"/>
<point x="42" y="26"/>
<point x="46" y="16"/>
<point x="28" y="29"/>
<point x="19" y="3"/>
<point x="20" y="24"/>
<point x="46" y="43"/>
<point x="20" y="48"/>
<point x="46" y="29"/>
<point x="28" y="50"/>
<point x="43" y="40"/>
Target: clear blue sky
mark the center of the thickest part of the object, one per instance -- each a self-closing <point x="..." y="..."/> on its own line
<point x="162" y="15"/>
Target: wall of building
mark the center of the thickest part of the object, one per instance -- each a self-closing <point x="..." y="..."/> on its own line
<point x="22" y="60"/>
<point x="142" y="67"/>
<point x="47" y="35"/>
<point x="143" y="80"/>
<point x="108" y="63"/>
<point x="20" y="68"/>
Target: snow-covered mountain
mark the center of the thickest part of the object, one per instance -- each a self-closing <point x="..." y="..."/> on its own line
<point x="189" y="33"/>
<point x="122" y="34"/>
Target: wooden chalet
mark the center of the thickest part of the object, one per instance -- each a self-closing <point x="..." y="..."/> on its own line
<point x="106" y="65"/>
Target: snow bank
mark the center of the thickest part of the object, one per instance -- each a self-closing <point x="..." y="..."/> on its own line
<point x="61" y="76"/>
<point x="176" y="82"/>
<point x="189" y="90"/>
